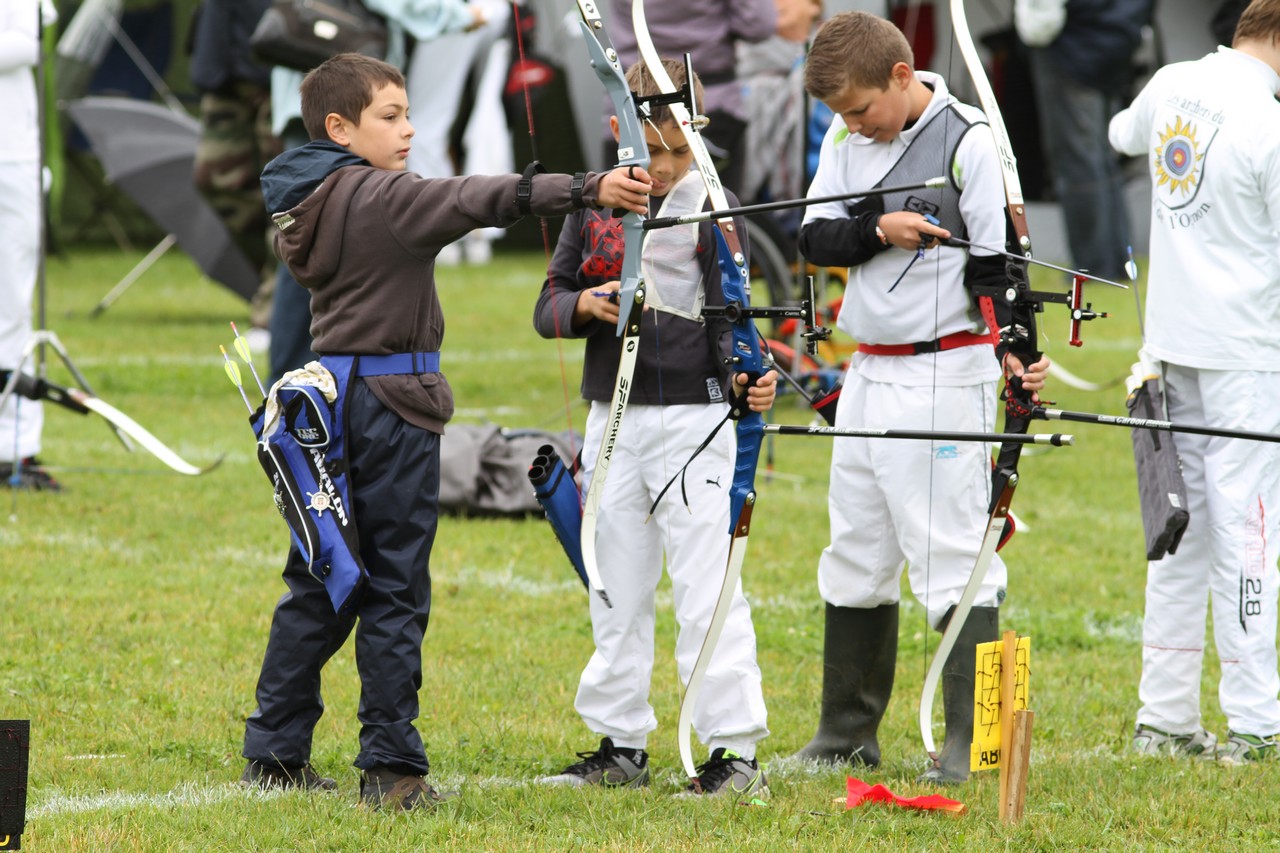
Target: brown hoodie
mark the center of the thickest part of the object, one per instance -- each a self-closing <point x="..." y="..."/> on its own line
<point x="365" y="243"/>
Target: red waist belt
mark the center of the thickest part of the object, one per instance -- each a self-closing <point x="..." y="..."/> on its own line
<point x="946" y="342"/>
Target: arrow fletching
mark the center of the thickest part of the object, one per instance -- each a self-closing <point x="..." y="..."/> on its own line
<point x="242" y="350"/>
<point x="233" y="373"/>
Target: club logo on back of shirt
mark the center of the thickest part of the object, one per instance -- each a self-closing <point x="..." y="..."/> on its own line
<point x="1178" y="159"/>
<point x="1178" y="162"/>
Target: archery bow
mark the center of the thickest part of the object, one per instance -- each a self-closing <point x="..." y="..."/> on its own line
<point x="82" y="400"/>
<point x="1020" y="333"/>
<point x="747" y="358"/>
<point x="632" y="151"/>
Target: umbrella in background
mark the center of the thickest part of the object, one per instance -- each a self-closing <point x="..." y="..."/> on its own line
<point x="148" y="151"/>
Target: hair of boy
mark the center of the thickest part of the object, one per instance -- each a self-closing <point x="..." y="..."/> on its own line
<point x="1260" y="21"/>
<point x="642" y="85"/>
<point x="344" y="84"/>
<point x="854" y="49"/>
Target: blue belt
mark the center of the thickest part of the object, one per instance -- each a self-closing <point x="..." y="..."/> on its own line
<point x="412" y="363"/>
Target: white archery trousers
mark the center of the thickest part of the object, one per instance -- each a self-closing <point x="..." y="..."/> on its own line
<point x="613" y="694"/>
<point x="21" y="420"/>
<point x="1227" y="556"/>
<point x="921" y="504"/>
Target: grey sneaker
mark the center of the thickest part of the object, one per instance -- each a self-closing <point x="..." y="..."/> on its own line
<point x="1149" y="740"/>
<point x="728" y="774"/>
<point x="383" y="788"/>
<point x="260" y="774"/>
<point x="611" y="766"/>
<point x="1242" y="748"/>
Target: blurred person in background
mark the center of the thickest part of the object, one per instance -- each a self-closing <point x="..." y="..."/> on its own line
<point x="1081" y="66"/>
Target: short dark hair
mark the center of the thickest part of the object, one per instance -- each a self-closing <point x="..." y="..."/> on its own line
<point x="642" y="84"/>
<point x="1260" y="21"/>
<point x="344" y="84"/>
<point x="854" y="49"/>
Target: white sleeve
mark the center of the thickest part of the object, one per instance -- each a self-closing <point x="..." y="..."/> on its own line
<point x="982" y="193"/>
<point x="19" y="46"/>
<point x="1130" y="129"/>
<point x="1039" y="22"/>
<point x="827" y="180"/>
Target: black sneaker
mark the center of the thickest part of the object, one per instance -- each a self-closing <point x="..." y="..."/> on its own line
<point x="728" y="774"/>
<point x="259" y="774"/>
<point x="30" y="474"/>
<point x="611" y="766"/>
<point x="382" y="788"/>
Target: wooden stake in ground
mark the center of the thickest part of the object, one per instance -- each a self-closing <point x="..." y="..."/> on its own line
<point x="1015" y="729"/>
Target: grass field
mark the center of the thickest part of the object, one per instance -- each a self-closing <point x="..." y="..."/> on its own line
<point x="136" y="607"/>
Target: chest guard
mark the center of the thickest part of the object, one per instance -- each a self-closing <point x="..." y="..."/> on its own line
<point x="301" y="429"/>
<point x="919" y="163"/>
<point x="672" y="273"/>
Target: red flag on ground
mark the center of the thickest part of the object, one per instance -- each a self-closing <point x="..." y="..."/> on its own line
<point x="860" y="792"/>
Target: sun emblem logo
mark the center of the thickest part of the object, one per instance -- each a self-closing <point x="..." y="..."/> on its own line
<point x="1178" y="157"/>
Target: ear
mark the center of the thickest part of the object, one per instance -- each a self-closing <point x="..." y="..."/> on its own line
<point x="336" y="127"/>
<point x="613" y="126"/>
<point x="901" y="75"/>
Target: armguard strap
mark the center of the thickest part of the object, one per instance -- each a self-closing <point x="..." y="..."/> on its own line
<point x="524" y="189"/>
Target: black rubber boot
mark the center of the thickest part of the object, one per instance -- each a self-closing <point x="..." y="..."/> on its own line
<point x="951" y="767"/>
<point x="859" y="652"/>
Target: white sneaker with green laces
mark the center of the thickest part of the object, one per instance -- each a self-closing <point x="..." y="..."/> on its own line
<point x="1149" y="740"/>
<point x="728" y="774"/>
<point x="610" y="766"/>
<point x="1242" y="748"/>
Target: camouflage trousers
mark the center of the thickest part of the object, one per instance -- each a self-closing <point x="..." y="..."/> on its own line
<point x="235" y="143"/>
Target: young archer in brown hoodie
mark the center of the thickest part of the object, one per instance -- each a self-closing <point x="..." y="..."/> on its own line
<point x="362" y="235"/>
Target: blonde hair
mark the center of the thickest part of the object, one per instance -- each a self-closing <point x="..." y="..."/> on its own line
<point x="854" y="49"/>
<point x="642" y="85"/>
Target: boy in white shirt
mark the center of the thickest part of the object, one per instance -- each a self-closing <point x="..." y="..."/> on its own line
<point x="925" y="361"/>
<point x="1210" y="130"/>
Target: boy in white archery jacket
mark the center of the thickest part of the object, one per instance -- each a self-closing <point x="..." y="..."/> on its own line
<point x="925" y="361"/>
<point x="678" y="396"/>
<point x="1210" y="131"/>
<point x="361" y="234"/>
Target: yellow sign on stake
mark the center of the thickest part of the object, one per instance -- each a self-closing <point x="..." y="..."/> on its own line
<point x="985" y="753"/>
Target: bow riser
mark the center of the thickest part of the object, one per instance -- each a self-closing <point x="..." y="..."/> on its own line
<point x="633" y="150"/>
<point x="746" y="358"/>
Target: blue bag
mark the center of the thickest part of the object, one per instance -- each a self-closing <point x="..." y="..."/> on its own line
<point x="301" y="449"/>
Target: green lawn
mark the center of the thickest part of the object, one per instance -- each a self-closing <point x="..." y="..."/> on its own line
<point x="137" y="602"/>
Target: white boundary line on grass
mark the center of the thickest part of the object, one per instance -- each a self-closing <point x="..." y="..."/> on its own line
<point x="186" y="795"/>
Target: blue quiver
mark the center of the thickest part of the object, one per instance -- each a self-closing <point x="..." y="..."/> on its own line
<point x="301" y="449"/>
<point x="557" y="492"/>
